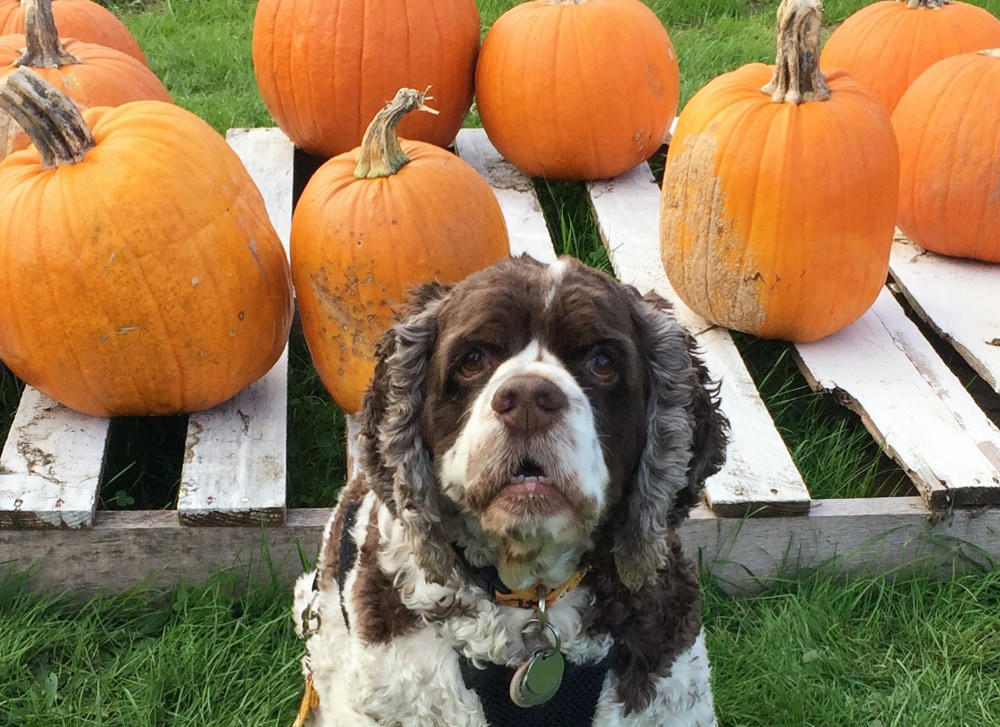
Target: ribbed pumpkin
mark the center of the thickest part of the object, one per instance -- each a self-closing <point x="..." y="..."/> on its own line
<point x="887" y="44"/>
<point x="779" y="193"/>
<point x="371" y="224"/>
<point x="83" y="20"/>
<point x="948" y="127"/>
<point x="325" y="67"/>
<point x="91" y="74"/>
<point x="139" y="272"/>
<point x="577" y="89"/>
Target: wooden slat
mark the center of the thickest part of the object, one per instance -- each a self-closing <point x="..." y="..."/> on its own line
<point x="883" y="368"/>
<point x="759" y="476"/>
<point x="234" y="462"/>
<point x="50" y="467"/>
<point x="957" y="298"/>
<point x="268" y="154"/>
<point x="515" y="193"/>
<point x="234" y="457"/>
<point x="878" y="535"/>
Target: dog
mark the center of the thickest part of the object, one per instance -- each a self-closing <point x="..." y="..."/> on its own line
<point x="506" y="552"/>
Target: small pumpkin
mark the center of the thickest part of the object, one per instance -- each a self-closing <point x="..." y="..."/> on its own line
<point x="139" y="271"/>
<point x="374" y="222"/>
<point x="324" y="69"/>
<point x="577" y="89"/>
<point x="779" y="193"/>
<point x="91" y="74"/>
<point x="887" y="44"/>
<point x="84" y="20"/>
<point x="948" y="126"/>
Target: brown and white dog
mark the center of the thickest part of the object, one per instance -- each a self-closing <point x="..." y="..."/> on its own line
<point x="530" y="439"/>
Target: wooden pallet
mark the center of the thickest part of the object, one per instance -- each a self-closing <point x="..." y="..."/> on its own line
<point x="758" y="517"/>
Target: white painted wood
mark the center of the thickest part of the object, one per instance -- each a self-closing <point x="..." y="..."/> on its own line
<point x="879" y="535"/>
<point x="235" y="455"/>
<point x="872" y="365"/>
<point x="234" y="469"/>
<point x="267" y="155"/>
<point x="50" y="466"/>
<point x="959" y="299"/>
<point x="515" y="193"/>
<point x="759" y="475"/>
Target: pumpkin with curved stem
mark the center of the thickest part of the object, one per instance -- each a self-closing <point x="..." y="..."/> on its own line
<point x="779" y="193"/>
<point x="139" y="271"/>
<point x="887" y="44"/>
<point x="324" y="69"/>
<point x="92" y="75"/>
<point x="948" y="126"/>
<point x="577" y="89"/>
<point x="371" y="224"/>
<point x="84" y="20"/>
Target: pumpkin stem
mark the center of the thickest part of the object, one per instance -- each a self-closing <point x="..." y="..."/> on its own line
<point x="797" y="77"/>
<point x="381" y="155"/>
<point x="48" y="116"/>
<point x="43" y="49"/>
<point x="930" y="4"/>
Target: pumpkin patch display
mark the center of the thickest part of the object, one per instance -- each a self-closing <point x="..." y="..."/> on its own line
<point x="779" y="193"/>
<point x="325" y="67"/>
<point x="84" y="20"/>
<point x="948" y="126"/>
<point x="373" y="223"/>
<point x="91" y="74"/>
<point x="887" y="44"/>
<point x="139" y="271"/>
<point x="577" y="89"/>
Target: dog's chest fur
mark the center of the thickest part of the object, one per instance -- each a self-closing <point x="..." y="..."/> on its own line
<point x="390" y="643"/>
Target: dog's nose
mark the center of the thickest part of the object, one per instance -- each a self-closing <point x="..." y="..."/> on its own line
<point x="529" y="404"/>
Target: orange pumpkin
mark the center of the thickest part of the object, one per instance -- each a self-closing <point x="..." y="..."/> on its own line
<point x="91" y="74"/>
<point x="887" y="44"/>
<point x="325" y="67"/>
<point x="84" y="20"/>
<point x="577" y="89"/>
<point x="947" y="124"/>
<point x="371" y="224"/>
<point x="779" y="193"/>
<point x="139" y="272"/>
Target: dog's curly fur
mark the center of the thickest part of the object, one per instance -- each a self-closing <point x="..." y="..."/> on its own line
<point x="627" y="394"/>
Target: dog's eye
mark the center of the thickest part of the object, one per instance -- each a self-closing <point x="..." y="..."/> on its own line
<point x="603" y="366"/>
<point x="474" y="363"/>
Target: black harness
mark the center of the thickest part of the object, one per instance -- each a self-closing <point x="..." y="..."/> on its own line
<point x="572" y="706"/>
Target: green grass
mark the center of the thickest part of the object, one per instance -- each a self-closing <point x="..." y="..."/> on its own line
<point x="205" y="657"/>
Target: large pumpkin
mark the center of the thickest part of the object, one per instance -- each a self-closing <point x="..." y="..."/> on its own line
<point x="90" y="74"/>
<point x="577" y="89"/>
<point x="779" y="193"/>
<point x="139" y="272"/>
<point x="948" y="127"/>
<point x="325" y="67"/>
<point x="83" y="20"/>
<point x="371" y="224"/>
<point x="887" y="44"/>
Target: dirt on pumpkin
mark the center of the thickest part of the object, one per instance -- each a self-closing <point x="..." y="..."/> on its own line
<point x="703" y="252"/>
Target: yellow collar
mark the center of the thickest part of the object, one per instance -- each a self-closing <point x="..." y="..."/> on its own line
<point x="532" y="597"/>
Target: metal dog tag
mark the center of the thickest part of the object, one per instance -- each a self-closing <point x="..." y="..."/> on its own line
<point x="537" y="680"/>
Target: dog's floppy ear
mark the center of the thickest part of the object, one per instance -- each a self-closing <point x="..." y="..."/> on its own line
<point x="686" y="435"/>
<point x="391" y="450"/>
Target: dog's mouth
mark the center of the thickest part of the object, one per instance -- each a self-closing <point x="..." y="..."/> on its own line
<point x="530" y="490"/>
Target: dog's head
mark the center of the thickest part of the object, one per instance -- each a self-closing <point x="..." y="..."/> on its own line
<point x="531" y="408"/>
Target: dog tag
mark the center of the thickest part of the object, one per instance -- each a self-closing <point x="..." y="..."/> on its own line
<point x="537" y="680"/>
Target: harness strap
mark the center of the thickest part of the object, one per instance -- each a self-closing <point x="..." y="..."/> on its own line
<point x="573" y="705"/>
<point x="347" y="553"/>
